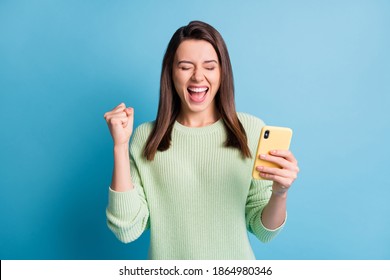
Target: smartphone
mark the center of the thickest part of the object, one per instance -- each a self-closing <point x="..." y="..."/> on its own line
<point x="271" y="138"/>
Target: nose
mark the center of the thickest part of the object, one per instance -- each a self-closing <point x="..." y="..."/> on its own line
<point x="198" y="75"/>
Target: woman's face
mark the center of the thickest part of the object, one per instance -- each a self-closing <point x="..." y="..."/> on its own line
<point x="196" y="76"/>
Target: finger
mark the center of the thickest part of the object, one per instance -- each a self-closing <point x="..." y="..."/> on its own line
<point x="274" y="171"/>
<point x="285" y="182"/>
<point x="117" y="109"/>
<point x="282" y="162"/>
<point x="118" y="121"/>
<point x="129" y="111"/>
<point x="113" y="116"/>
<point x="287" y="176"/>
<point x="287" y="154"/>
<point x="120" y="106"/>
<point x="120" y="114"/>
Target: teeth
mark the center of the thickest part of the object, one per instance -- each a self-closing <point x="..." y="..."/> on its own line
<point x="198" y="89"/>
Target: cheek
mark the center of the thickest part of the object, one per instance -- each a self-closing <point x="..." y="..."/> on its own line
<point x="179" y="80"/>
<point x="215" y="80"/>
<point x="179" y="87"/>
<point x="176" y="82"/>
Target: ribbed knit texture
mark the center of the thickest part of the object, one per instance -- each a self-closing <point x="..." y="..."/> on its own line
<point x="198" y="198"/>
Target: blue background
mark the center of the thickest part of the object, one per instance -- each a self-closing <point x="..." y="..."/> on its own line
<point x="320" y="67"/>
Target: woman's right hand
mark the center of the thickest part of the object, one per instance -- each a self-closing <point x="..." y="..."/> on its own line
<point x="120" y="122"/>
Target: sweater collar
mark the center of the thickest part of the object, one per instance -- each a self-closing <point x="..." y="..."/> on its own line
<point x="217" y="126"/>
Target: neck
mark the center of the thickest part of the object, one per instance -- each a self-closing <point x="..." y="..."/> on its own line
<point x="198" y="119"/>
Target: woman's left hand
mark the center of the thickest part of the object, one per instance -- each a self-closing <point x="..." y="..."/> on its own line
<point x="283" y="177"/>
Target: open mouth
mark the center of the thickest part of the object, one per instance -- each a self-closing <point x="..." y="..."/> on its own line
<point x="197" y="94"/>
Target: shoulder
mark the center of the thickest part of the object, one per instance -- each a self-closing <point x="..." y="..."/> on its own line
<point x="252" y="126"/>
<point x="250" y="122"/>
<point x="142" y="132"/>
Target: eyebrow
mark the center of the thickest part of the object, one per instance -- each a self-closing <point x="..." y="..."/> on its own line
<point x="204" y="62"/>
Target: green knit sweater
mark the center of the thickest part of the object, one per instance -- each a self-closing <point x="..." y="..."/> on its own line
<point x="198" y="198"/>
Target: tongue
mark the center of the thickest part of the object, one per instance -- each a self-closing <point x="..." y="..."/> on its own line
<point x="198" y="96"/>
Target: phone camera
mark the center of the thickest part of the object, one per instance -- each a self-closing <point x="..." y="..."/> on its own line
<point x="266" y="134"/>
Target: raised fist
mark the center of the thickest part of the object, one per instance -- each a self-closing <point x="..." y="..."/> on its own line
<point x="120" y="122"/>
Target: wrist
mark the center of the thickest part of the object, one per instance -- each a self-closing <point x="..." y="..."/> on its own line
<point x="279" y="193"/>
<point x="120" y="148"/>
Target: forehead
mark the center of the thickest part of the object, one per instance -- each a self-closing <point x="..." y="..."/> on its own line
<point x="196" y="50"/>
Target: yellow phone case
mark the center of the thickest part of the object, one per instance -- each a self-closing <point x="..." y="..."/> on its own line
<point x="271" y="138"/>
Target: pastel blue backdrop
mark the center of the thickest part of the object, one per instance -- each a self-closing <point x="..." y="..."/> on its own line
<point x="320" y="67"/>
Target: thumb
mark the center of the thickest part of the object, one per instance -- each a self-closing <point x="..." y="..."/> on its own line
<point x="129" y="111"/>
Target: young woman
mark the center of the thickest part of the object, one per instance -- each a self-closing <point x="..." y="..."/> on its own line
<point x="189" y="179"/>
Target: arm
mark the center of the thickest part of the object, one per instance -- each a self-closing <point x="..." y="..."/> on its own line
<point x="120" y="122"/>
<point x="274" y="213"/>
<point x="121" y="177"/>
<point x="127" y="210"/>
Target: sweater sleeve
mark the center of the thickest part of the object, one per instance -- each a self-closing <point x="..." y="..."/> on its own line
<point x="260" y="190"/>
<point x="258" y="197"/>
<point x="127" y="212"/>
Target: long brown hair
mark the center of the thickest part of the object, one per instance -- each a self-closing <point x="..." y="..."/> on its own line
<point x="169" y="104"/>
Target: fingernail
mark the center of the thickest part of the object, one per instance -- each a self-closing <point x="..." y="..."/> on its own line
<point x="260" y="168"/>
<point x="262" y="156"/>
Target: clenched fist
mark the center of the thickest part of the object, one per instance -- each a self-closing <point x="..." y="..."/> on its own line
<point x="120" y="122"/>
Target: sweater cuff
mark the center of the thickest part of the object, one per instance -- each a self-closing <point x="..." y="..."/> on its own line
<point x="268" y="234"/>
<point x="123" y="204"/>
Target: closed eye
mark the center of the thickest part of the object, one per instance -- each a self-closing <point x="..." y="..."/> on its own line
<point x="210" y="65"/>
<point x="185" y="65"/>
